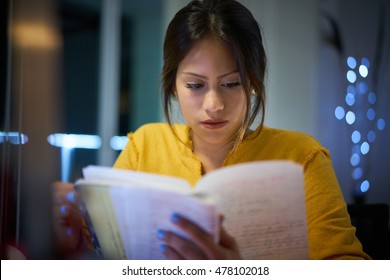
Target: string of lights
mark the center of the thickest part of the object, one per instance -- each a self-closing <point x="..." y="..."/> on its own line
<point x="360" y="115"/>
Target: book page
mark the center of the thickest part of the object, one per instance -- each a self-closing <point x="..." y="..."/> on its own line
<point x="100" y="214"/>
<point x="264" y="208"/>
<point x="141" y="212"/>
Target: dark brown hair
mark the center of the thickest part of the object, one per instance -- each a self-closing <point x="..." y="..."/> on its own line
<point x="232" y="23"/>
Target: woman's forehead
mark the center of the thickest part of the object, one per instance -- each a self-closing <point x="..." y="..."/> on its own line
<point x="209" y="54"/>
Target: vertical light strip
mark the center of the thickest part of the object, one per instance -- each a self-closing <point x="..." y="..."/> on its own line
<point x="66" y="159"/>
<point x="109" y="78"/>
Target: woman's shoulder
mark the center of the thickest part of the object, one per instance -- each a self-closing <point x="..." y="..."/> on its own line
<point x="288" y="144"/>
<point x="289" y="137"/>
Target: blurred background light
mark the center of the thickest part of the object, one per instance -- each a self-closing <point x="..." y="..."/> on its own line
<point x="363" y="71"/>
<point x="357" y="173"/>
<point x="78" y="141"/>
<point x="350" y="117"/>
<point x="381" y="124"/>
<point x="371" y="136"/>
<point x="35" y="35"/>
<point x="371" y="98"/>
<point x="364" y="186"/>
<point x="371" y="114"/>
<point x="355" y="159"/>
<point x="365" y="148"/>
<point x="351" y="61"/>
<point x="14" y="138"/>
<point x="362" y="87"/>
<point x="118" y="143"/>
<point x="351" y="89"/>
<point x="350" y="99"/>
<point x="351" y="76"/>
<point x="356" y="136"/>
<point x="339" y="112"/>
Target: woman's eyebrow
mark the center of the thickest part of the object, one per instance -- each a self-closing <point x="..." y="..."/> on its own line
<point x="205" y="77"/>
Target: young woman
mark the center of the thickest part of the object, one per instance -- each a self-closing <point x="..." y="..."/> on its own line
<point x="214" y="66"/>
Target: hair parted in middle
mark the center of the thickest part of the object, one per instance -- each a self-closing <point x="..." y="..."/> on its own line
<point x="233" y="24"/>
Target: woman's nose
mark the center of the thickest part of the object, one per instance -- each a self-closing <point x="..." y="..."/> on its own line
<point x="213" y="102"/>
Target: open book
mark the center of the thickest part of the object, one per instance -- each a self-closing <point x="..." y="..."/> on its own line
<point x="263" y="205"/>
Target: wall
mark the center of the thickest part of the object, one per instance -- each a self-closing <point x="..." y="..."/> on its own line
<point x="145" y="68"/>
<point x="290" y="30"/>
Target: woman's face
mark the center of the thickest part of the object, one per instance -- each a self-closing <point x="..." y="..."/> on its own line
<point x="210" y="94"/>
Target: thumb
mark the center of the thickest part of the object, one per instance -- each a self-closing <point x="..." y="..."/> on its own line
<point x="226" y="240"/>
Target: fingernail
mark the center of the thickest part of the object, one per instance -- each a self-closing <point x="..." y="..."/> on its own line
<point x="69" y="231"/>
<point x="63" y="210"/>
<point x="163" y="248"/>
<point x="70" y="197"/>
<point x="160" y="233"/>
<point x="175" y="218"/>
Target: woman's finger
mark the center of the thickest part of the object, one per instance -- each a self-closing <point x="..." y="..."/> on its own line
<point x="227" y="241"/>
<point x="67" y="218"/>
<point x="177" y="247"/>
<point x="170" y="253"/>
<point x="198" y="236"/>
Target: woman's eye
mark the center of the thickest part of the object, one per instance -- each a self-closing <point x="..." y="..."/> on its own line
<point x="193" y="86"/>
<point x="229" y="85"/>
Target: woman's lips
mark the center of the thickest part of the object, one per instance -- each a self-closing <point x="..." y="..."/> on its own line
<point x="214" y="124"/>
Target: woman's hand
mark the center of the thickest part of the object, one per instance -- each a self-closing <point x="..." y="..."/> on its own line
<point x="67" y="220"/>
<point x="200" y="246"/>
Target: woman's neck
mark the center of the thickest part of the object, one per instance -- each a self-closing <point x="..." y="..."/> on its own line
<point x="212" y="155"/>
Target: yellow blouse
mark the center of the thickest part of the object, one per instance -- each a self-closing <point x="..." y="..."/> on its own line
<point x="154" y="148"/>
